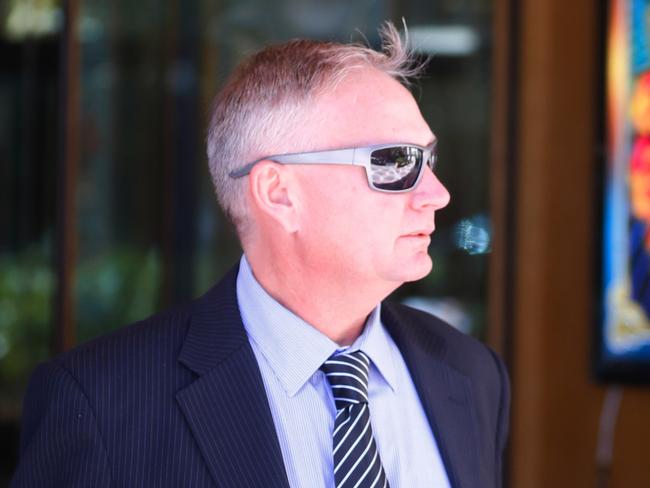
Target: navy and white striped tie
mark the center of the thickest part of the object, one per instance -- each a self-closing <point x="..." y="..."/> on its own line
<point x="356" y="459"/>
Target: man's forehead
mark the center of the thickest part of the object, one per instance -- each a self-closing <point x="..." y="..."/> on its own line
<point x="362" y="85"/>
<point x="367" y="107"/>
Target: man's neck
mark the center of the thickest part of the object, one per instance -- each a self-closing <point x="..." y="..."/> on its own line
<point x="331" y="303"/>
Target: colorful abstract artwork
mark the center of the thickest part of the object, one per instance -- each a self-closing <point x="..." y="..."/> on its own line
<point x="623" y="349"/>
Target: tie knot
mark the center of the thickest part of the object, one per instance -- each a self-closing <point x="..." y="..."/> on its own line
<point x="347" y="375"/>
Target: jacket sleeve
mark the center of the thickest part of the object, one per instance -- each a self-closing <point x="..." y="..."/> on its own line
<point x="60" y="443"/>
<point x="503" y="421"/>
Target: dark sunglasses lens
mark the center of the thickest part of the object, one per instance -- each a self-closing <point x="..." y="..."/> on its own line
<point x="431" y="162"/>
<point x="395" y="168"/>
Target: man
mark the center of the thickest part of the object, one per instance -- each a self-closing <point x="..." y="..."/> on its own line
<point x="290" y="371"/>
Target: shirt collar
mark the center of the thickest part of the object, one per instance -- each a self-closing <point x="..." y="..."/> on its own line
<point x="294" y="349"/>
<point x="375" y="343"/>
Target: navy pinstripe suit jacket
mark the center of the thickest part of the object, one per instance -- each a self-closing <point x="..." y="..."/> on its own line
<point x="178" y="400"/>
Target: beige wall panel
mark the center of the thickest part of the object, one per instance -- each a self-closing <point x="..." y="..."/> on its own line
<point x="556" y="406"/>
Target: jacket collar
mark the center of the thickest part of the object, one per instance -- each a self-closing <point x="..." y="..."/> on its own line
<point x="445" y="393"/>
<point x="216" y="331"/>
<point x="226" y="406"/>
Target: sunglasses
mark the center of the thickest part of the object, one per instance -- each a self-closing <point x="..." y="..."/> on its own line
<point x="392" y="168"/>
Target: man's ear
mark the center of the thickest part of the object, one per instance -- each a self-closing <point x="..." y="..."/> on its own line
<point x="271" y="187"/>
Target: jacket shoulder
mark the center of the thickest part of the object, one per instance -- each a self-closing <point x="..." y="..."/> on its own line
<point x="467" y="355"/>
<point x="129" y="352"/>
<point x="483" y="368"/>
<point x="459" y="348"/>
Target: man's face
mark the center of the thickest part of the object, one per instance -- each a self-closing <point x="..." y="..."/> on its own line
<point x="366" y="236"/>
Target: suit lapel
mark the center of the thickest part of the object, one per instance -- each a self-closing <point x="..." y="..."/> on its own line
<point x="445" y="394"/>
<point x="226" y="406"/>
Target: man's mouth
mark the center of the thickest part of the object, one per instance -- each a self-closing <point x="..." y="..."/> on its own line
<point x="421" y="233"/>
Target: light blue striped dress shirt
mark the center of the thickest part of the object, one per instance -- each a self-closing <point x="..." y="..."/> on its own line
<point x="290" y="352"/>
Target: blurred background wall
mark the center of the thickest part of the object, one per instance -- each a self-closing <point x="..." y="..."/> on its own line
<point x="107" y="212"/>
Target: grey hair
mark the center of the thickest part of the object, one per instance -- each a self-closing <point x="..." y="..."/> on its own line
<point x="266" y="101"/>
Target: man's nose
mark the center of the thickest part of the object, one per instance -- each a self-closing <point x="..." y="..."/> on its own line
<point x="430" y="192"/>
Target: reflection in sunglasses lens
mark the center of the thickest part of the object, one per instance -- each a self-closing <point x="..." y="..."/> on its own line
<point x="395" y="168"/>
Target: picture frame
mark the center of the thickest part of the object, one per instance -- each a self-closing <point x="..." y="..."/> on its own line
<point x="622" y="339"/>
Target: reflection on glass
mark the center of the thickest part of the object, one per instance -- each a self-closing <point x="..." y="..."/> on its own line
<point x="31" y="19"/>
<point x="473" y="235"/>
<point x="114" y="288"/>
<point x="26" y="289"/>
<point x="29" y="127"/>
<point x="28" y="161"/>
<point x="122" y="186"/>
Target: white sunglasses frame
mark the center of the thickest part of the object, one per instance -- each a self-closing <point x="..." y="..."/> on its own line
<point x="355" y="156"/>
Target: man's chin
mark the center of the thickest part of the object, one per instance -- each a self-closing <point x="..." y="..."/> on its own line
<point x="415" y="269"/>
<point x="419" y="276"/>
